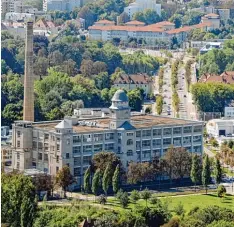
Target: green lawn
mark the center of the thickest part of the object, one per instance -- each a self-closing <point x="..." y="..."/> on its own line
<point x="202" y="201"/>
<point x="188" y="201"/>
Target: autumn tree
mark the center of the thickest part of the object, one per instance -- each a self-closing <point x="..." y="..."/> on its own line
<point x="64" y="178"/>
<point x="177" y="162"/>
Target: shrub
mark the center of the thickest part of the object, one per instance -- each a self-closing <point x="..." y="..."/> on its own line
<point x="221" y="191"/>
<point x="102" y="199"/>
<point x="135" y="195"/>
<point x="124" y="200"/>
<point x="179" y="209"/>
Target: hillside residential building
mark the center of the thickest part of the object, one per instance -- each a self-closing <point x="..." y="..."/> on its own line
<point x="140" y="6"/>
<point x="151" y="34"/>
<point x="226" y="78"/>
<point x="229" y="110"/>
<point x="134" y="81"/>
<point x="48" y="146"/>
<point x="213" y="19"/>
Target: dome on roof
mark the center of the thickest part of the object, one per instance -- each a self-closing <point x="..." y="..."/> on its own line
<point x="120" y="96"/>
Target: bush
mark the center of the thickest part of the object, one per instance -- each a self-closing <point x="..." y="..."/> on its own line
<point x="124" y="200"/>
<point x="135" y="195"/>
<point x="174" y="222"/>
<point x="179" y="209"/>
<point x="154" y="199"/>
<point x="221" y="191"/>
<point x="102" y="199"/>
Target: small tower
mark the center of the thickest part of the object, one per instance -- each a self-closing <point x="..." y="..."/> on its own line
<point x="120" y="110"/>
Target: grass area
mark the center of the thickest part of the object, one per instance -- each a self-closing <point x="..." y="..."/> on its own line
<point x="188" y="201"/>
<point x="192" y="201"/>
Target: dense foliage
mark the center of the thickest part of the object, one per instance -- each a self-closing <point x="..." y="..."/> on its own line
<point x="210" y="97"/>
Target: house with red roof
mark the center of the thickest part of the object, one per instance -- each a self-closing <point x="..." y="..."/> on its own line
<point x="226" y="77"/>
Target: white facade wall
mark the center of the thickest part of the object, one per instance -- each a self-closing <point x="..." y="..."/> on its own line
<point x="141" y="5"/>
<point x="19" y="16"/>
<point x="217" y="127"/>
<point x="229" y="112"/>
<point x="61" y="5"/>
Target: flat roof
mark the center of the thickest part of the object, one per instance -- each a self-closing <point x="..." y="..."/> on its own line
<point x="102" y="124"/>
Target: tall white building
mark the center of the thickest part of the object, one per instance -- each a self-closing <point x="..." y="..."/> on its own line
<point x="9" y="5"/>
<point x="141" y="5"/>
<point x="48" y="146"/>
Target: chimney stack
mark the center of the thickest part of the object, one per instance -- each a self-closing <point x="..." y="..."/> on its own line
<point x="28" y="75"/>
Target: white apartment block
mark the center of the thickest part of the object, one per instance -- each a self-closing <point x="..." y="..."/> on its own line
<point x="220" y="127"/>
<point x="229" y="111"/>
<point x="105" y="30"/>
<point x="48" y="146"/>
<point x="141" y="5"/>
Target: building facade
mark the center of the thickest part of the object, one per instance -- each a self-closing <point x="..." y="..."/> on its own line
<point x="149" y="34"/>
<point x="48" y="146"/>
<point x="140" y="6"/>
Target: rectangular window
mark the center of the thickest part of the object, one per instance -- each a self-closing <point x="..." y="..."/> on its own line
<point x="40" y="145"/>
<point x="87" y="148"/>
<point x="18" y="144"/>
<point x="109" y="147"/>
<point x="177" y="130"/>
<point x="157" y="153"/>
<point x="58" y="147"/>
<point x="77" y="171"/>
<point x="76" y="139"/>
<point x="197" y="139"/>
<point x="146" y="144"/>
<point x="166" y="131"/>
<point x="77" y="161"/>
<point x="57" y="169"/>
<point x="39" y="156"/>
<point x="67" y="155"/>
<point x="57" y="158"/>
<point x="188" y="129"/>
<point x="87" y="138"/>
<point x="129" y="134"/>
<point x="197" y="128"/>
<point x="97" y="148"/>
<point x="129" y="153"/>
<point x="18" y="155"/>
<point x="109" y="136"/>
<point x="156" y="142"/>
<point x="17" y="165"/>
<point x="34" y="145"/>
<point x="98" y="137"/>
<point x="157" y="132"/>
<point x="46" y="136"/>
<point x="18" y="134"/>
<point x="146" y="154"/>
<point x="87" y="160"/>
<point x="138" y="133"/>
<point x="146" y="133"/>
<point x="46" y="157"/>
<point x="138" y="145"/>
<point x="187" y="140"/>
<point x="58" y="139"/>
<point x="167" y="141"/>
<point x="177" y="141"/>
<point x="76" y="150"/>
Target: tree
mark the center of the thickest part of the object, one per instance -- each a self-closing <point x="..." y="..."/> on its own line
<point x="206" y="172"/>
<point x="87" y="180"/>
<point x="102" y="199"/>
<point x="177" y="162"/>
<point x="115" y="179"/>
<point x="102" y="159"/>
<point x="18" y="200"/>
<point x="96" y="182"/>
<point x="106" y="180"/>
<point x="135" y="99"/>
<point x="159" y="104"/>
<point x="124" y="200"/>
<point x="87" y="67"/>
<point x="195" y="173"/>
<point x="64" y="178"/>
<point x="146" y="194"/>
<point x="218" y="171"/>
<point x="135" y="196"/>
<point x="221" y="191"/>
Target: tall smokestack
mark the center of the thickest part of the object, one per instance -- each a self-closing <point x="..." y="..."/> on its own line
<point x="28" y="75"/>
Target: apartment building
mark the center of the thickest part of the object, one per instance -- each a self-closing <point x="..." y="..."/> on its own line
<point x="213" y="19"/>
<point x="151" y="34"/>
<point x="48" y="146"/>
<point x="133" y="81"/>
<point x="140" y="6"/>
